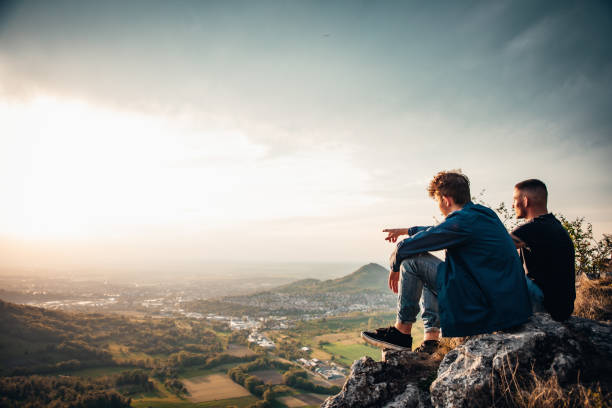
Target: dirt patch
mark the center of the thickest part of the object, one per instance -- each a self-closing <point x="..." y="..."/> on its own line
<point x="269" y="376"/>
<point x="213" y="387"/>
<point x="239" y="351"/>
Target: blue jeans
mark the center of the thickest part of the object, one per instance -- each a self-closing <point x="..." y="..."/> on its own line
<point x="536" y="296"/>
<point x="418" y="282"/>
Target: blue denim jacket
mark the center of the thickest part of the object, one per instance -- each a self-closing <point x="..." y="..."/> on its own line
<point x="481" y="286"/>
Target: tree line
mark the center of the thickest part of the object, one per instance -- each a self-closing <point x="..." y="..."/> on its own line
<point x="292" y="377"/>
<point x="60" y="392"/>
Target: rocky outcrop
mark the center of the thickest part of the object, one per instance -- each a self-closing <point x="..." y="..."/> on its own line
<point x="475" y="373"/>
<point x="401" y="380"/>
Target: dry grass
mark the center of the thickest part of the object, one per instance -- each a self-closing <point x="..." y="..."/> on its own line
<point x="533" y="391"/>
<point x="449" y="343"/>
<point x="548" y="393"/>
<point x="593" y="298"/>
<point x="526" y="389"/>
<point x="593" y="301"/>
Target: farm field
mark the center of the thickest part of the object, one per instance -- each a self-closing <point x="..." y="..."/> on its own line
<point x="239" y="351"/>
<point x="213" y="387"/>
<point x="302" y="400"/>
<point x="345" y="346"/>
<point x="312" y="399"/>
<point x="348" y="353"/>
<point x="231" y="402"/>
<point x="352" y="323"/>
<point x="291" y="401"/>
<point x="269" y="376"/>
<point x="164" y="399"/>
<point x="161" y="398"/>
<point x="196" y="371"/>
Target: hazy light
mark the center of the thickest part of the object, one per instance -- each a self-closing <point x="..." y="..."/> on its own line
<point x="74" y="169"/>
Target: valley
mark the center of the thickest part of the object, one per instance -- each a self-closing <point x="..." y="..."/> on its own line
<point x="241" y="350"/>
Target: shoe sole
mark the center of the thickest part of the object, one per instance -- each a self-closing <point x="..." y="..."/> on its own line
<point x="383" y="344"/>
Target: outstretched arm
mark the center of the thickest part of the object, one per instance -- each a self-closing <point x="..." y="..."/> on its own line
<point x="394" y="233"/>
<point x="444" y="235"/>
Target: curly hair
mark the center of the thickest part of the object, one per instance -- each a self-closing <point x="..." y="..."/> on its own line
<point x="451" y="183"/>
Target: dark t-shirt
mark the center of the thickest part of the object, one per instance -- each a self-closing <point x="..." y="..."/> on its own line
<point x="548" y="260"/>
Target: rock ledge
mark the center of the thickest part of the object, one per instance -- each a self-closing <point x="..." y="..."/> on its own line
<point x="471" y="375"/>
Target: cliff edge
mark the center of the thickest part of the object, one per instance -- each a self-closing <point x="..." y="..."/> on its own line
<point x="487" y="370"/>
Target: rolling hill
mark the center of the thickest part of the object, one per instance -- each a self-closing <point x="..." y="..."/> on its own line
<point x="365" y="289"/>
<point x="370" y="277"/>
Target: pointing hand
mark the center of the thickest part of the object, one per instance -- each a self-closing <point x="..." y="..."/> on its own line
<point x="394" y="233"/>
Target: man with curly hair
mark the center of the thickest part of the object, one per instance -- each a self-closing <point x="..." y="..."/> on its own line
<point x="478" y="288"/>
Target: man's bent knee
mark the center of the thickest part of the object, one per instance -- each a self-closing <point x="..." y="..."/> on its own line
<point x="411" y="262"/>
<point x="415" y="263"/>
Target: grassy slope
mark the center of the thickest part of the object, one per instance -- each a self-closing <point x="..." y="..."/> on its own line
<point x="347" y="353"/>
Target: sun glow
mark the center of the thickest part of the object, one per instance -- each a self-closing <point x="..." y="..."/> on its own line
<point x="76" y="170"/>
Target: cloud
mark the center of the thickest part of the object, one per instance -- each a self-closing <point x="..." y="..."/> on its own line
<point x="396" y="92"/>
<point x="269" y="68"/>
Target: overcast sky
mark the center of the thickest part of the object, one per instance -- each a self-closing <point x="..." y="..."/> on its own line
<point x="146" y="134"/>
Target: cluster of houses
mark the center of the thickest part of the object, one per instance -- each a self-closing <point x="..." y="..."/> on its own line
<point x="327" y="370"/>
<point x="245" y="323"/>
<point x="261" y="340"/>
<point x="248" y="323"/>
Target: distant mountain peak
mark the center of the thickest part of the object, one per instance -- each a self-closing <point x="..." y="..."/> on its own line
<point x="371" y="276"/>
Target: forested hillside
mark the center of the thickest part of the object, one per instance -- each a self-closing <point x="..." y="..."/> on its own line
<point x="47" y="357"/>
<point x="37" y="341"/>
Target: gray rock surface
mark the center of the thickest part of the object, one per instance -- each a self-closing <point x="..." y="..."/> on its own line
<point x="400" y="381"/>
<point x="473" y="374"/>
<point x="412" y="397"/>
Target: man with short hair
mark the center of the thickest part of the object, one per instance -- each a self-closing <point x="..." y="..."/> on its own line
<point x="547" y="251"/>
<point x="479" y="288"/>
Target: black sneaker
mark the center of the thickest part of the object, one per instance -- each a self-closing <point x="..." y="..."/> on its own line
<point x="388" y="337"/>
<point x="428" y="346"/>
